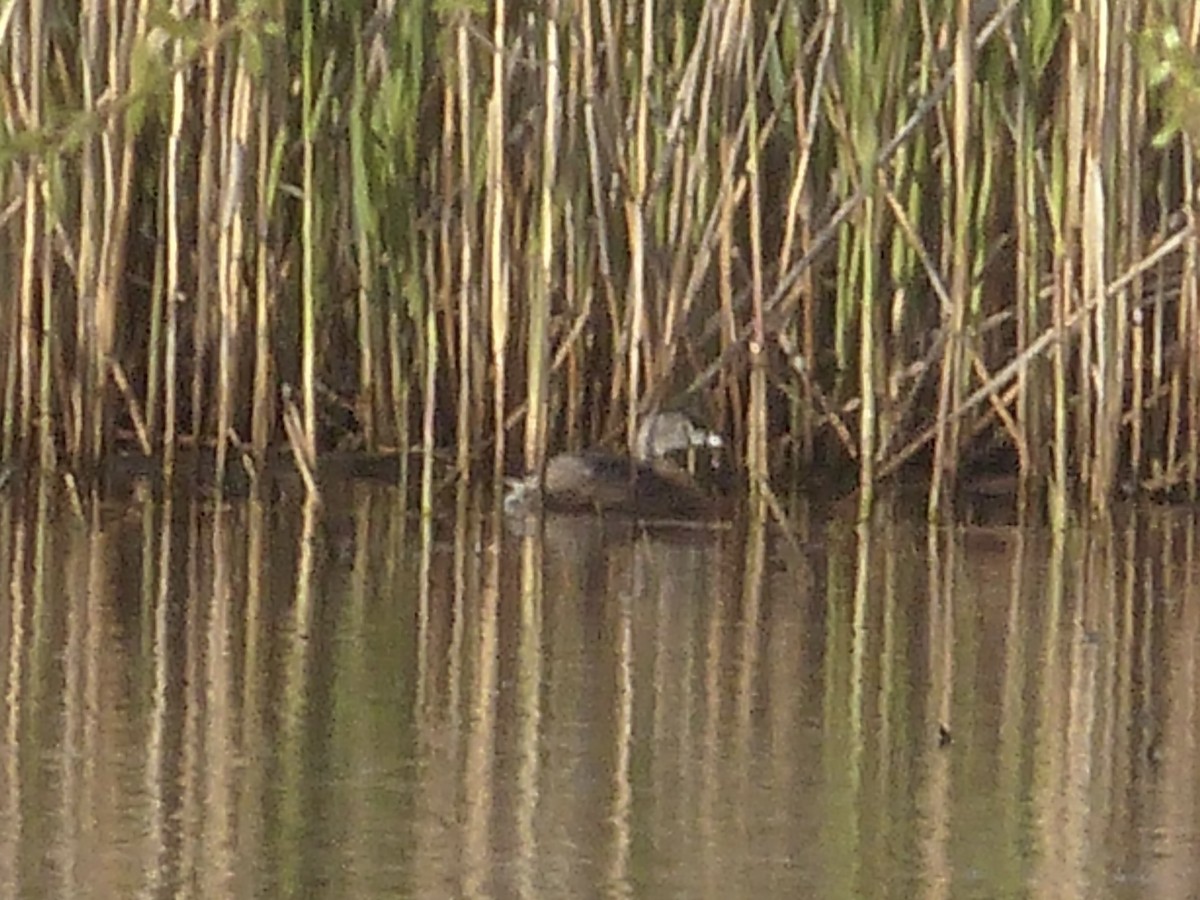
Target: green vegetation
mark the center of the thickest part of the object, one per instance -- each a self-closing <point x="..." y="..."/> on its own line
<point x="877" y="236"/>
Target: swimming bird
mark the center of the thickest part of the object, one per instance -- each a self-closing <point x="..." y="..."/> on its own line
<point x="648" y="485"/>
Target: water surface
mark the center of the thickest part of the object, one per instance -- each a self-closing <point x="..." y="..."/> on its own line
<point x="238" y="700"/>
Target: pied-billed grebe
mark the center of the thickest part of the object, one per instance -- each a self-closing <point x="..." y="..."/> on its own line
<point x="648" y="485"/>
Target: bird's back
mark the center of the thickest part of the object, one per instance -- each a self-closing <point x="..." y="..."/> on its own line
<point x="603" y="482"/>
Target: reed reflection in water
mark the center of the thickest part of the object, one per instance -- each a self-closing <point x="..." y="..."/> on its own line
<point x="242" y="701"/>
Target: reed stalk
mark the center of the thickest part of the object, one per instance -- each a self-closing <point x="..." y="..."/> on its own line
<point x="50" y="218"/>
<point x="401" y="391"/>
<point x="230" y="248"/>
<point x="1130" y="123"/>
<point x="429" y="403"/>
<point x="1025" y="274"/>
<point x="1189" y="303"/>
<point x="496" y="245"/>
<point x="458" y="348"/>
<point x="946" y="447"/>
<point x="797" y="220"/>
<point x="157" y="342"/>
<point x="594" y="127"/>
<point x="8" y="430"/>
<point x="207" y="167"/>
<point x="28" y="63"/>
<point x="308" y="289"/>
<point x="758" y="466"/>
<point x="638" y="166"/>
<point x="366" y="231"/>
<point x="269" y="163"/>
<point x="466" y="264"/>
<point x="537" y="373"/>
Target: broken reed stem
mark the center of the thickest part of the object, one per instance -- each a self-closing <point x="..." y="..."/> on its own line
<point x="306" y="463"/>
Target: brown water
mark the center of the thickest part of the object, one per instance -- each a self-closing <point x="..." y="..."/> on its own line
<point x="266" y="702"/>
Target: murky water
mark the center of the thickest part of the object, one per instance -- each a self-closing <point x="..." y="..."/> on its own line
<point x="265" y="702"/>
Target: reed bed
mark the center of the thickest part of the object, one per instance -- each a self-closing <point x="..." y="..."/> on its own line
<point x="881" y="240"/>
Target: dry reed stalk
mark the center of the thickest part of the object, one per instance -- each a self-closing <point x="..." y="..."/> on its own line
<point x="947" y="446"/>
<point x="636" y="198"/>
<point x="1132" y="123"/>
<point x="308" y="317"/>
<point x="1108" y="377"/>
<point x="465" y="429"/>
<point x="799" y="212"/>
<point x="87" y="219"/>
<point x="722" y="65"/>
<point x="24" y="329"/>
<point x="118" y="145"/>
<point x="132" y="408"/>
<point x="1028" y="233"/>
<point x="609" y="105"/>
<point x="868" y="386"/>
<point x="8" y="429"/>
<point x="26" y="73"/>
<point x="758" y="466"/>
<point x="173" y="222"/>
<point x="305" y="459"/>
<point x="537" y="374"/>
<point x="496" y="245"/>
<point x="48" y="328"/>
<point x="1189" y="303"/>
<point x="1075" y="97"/>
<point x="207" y="167"/>
<point x="1062" y="207"/>
<point x="574" y="243"/>
<point x="366" y="229"/>
<point x="269" y="156"/>
<point x="230" y="247"/>
<point x="157" y="344"/>
<point x="696" y="89"/>
<point x="401" y="390"/>
<point x="687" y="171"/>
<point x="1110" y="318"/>
<point x="429" y="401"/>
<point x="1169" y="457"/>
